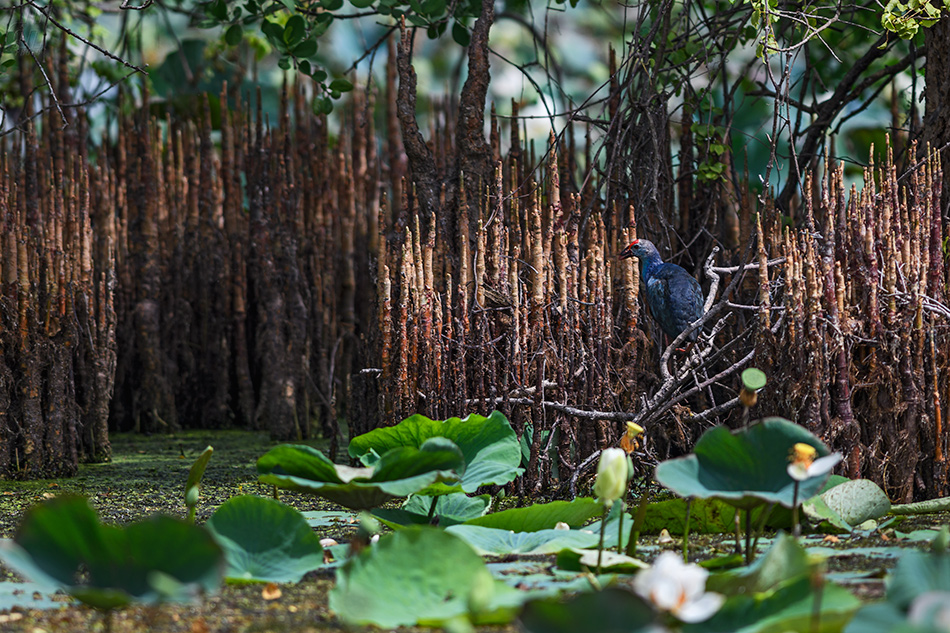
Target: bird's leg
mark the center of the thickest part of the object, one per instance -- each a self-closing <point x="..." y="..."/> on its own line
<point x="687" y="349"/>
<point x="699" y="373"/>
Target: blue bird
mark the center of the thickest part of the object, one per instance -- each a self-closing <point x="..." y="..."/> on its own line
<point x="674" y="296"/>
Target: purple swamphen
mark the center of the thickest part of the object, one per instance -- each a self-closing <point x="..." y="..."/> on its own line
<point x="675" y="297"/>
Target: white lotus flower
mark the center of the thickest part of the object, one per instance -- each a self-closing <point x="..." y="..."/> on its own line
<point x="678" y="588"/>
<point x="612" y="476"/>
<point x="804" y="465"/>
<point x="931" y="608"/>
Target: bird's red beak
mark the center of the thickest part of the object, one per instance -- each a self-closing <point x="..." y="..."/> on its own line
<point x="628" y="252"/>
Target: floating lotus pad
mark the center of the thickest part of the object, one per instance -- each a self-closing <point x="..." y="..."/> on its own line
<point x="401" y="471"/>
<point x="744" y="468"/>
<point x="489" y="445"/>
<point x="496" y="542"/>
<point x="542" y="516"/>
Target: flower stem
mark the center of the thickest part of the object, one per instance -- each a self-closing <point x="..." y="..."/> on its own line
<point x="689" y="507"/>
<point x="818" y="586"/>
<point x="796" y="526"/>
<point x="623" y="507"/>
<point x="761" y="526"/>
<point x="600" y="546"/>
<point x="638" y="520"/>
<point x="748" y="537"/>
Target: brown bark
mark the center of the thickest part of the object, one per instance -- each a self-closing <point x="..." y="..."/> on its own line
<point x="936" y="124"/>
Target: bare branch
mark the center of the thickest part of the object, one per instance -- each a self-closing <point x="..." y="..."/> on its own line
<point x="47" y="13"/>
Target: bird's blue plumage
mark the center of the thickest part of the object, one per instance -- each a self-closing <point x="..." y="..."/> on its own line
<point x="675" y="297"/>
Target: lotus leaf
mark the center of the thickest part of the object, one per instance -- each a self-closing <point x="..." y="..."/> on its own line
<point x="583" y="559"/>
<point x="264" y="540"/>
<point x="776" y="593"/>
<point x="401" y="471"/>
<point x="744" y="468"/>
<point x="492" y="541"/>
<point x="155" y="560"/>
<point x="542" y="516"/>
<point x="420" y="575"/>
<point x="613" y="610"/>
<point x="490" y="446"/>
<point x="917" y="576"/>
<point x="449" y="510"/>
<point x="857" y="501"/>
<point x="789" y="606"/>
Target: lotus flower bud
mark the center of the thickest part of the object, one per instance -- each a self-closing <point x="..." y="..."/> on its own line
<point x="191" y="497"/>
<point x="612" y="475"/>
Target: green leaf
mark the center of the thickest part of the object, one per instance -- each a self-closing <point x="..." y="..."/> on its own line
<point x="457" y="507"/>
<point x="917" y="573"/>
<point x="234" y="34"/>
<point x="857" y="501"/>
<point x="433" y="8"/>
<point x="401" y="471"/>
<point x="294" y="31"/>
<point x="578" y="559"/>
<point x="785" y="560"/>
<point x="489" y="445"/>
<point x="881" y="617"/>
<point x="197" y="470"/>
<point x="449" y="510"/>
<point x="420" y="576"/>
<point x="492" y="541"/>
<point x="217" y="10"/>
<point x="156" y="560"/>
<point x="283" y="63"/>
<point x="323" y="105"/>
<point x="273" y="31"/>
<point x="307" y="48"/>
<point x="331" y="5"/>
<point x="788" y="607"/>
<point x="922" y="507"/>
<point x="542" y="516"/>
<point x="264" y="540"/>
<point x="829" y="522"/>
<point x="341" y="85"/>
<point x="362" y="4"/>
<point x="744" y="468"/>
<point x="613" y="610"/>
<point x="706" y="516"/>
<point x="460" y="34"/>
